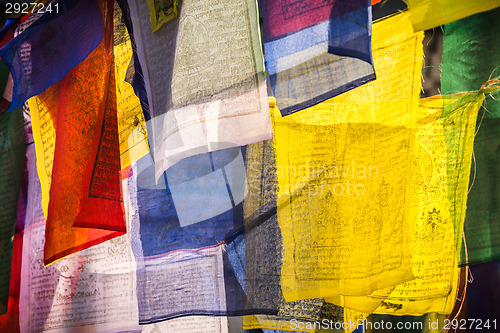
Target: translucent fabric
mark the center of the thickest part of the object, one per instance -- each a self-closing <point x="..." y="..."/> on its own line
<point x="191" y="324"/>
<point x="315" y="50"/>
<point x="93" y="290"/>
<point x="256" y="252"/>
<point x="471" y="56"/>
<point x="191" y="265"/>
<point x="194" y="204"/>
<point x="76" y="135"/>
<point x="131" y="124"/>
<point x="344" y="169"/>
<point x="9" y="322"/>
<point x="12" y="149"/>
<point x="161" y="11"/>
<point x="134" y="71"/>
<point x="57" y="42"/>
<point x="427" y="14"/>
<point x="178" y="283"/>
<point x="443" y="153"/>
<point x="204" y="78"/>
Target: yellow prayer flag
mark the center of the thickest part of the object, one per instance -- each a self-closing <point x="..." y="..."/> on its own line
<point x="344" y="173"/>
<point x="427" y="14"/>
<point x="443" y="151"/>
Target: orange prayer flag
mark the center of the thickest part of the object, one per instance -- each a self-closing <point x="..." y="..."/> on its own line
<point x="86" y="203"/>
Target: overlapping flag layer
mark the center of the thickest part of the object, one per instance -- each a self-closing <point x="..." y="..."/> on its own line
<point x="205" y="166"/>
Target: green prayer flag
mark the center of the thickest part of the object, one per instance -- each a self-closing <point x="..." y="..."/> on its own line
<point x="12" y="152"/>
<point x="471" y="54"/>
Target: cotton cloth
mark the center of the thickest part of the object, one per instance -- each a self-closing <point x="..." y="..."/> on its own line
<point x="315" y="50"/>
<point x="92" y="290"/>
<point x="131" y="123"/>
<point x="256" y="252"/>
<point x="161" y="11"/>
<point x="204" y="78"/>
<point x="427" y="14"/>
<point x="76" y="135"/>
<point x="222" y="277"/>
<point x="470" y="57"/>
<point x="443" y="153"/>
<point x="344" y="171"/>
<point x="57" y="42"/>
<point x="12" y="150"/>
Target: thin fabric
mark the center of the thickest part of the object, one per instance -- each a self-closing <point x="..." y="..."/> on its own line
<point x="372" y="188"/>
<point x="204" y="78"/>
<point x="190" y="251"/>
<point x="76" y="137"/>
<point x="189" y="280"/>
<point x="343" y="171"/>
<point x="12" y="149"/>
<point x="92" y="290"/>
<point x="161" y="11"/>
<point x="315" y="50"/>
<point x="57" y="42"/>
<point x="427" y="14"/>
<point x="255" y="251"/>
<point x="132" y="131"/>
<point x="444" y="136"/>
<point x="191" y="324"/>
<point x="471" y="56"/>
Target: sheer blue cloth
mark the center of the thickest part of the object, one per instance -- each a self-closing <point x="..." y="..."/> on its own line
<point x="315" y="50"/>
<point x="57" y="41"/>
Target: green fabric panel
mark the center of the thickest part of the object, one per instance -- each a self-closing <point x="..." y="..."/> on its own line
<point x="471" y="52"/>
<point x="4" y="76"/>
<point x="12" y="152"/>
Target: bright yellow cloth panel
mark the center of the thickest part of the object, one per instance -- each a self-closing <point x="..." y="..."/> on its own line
<point x="364" y="304"/>
<point x="281" y="324"/>
<point x="131" y="124"/>
<point x="427" y="14"/>
<point x="161" y="11"/>
<point x="343" y="172"/>
<point x="351" y="316"/>
<point x="261" y="157"/>
<point x="443" y="152"/>
<point x="44" y="135"/>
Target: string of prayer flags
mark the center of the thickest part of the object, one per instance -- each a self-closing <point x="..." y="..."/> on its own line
<point x="471" y="55"/>
<point x="315" y="50"/>
<point x="427" y="14"/>
<point x="205" y="87"/>
<point x="216" y="279"/>
<point x="344" y="171"/>
<point x="60" y="39"/>
<point x="76" y="135"/>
